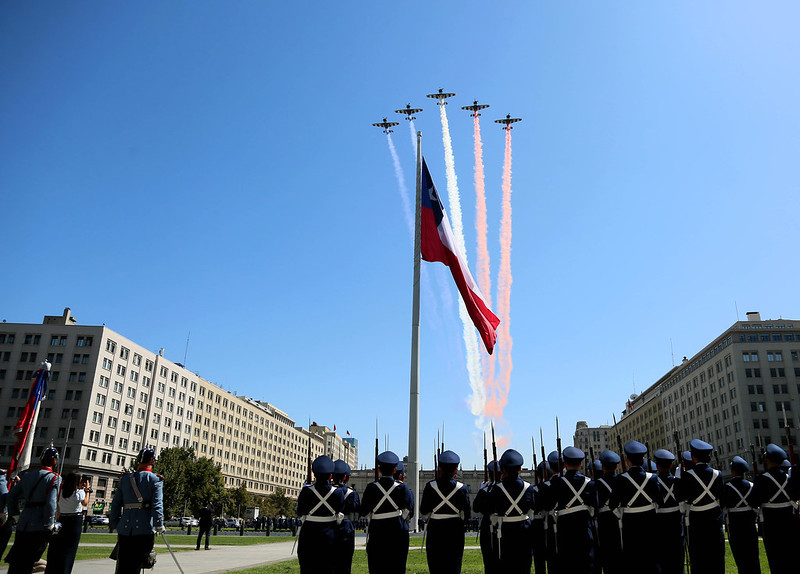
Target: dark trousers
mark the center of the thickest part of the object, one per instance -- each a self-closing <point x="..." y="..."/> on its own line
<point x="488" y="548"/>
<point x="5" y="536"/>
<point x="28" y="548"/>
<point x="779" y="530"/>
<point x="706" y="543"/>
<point x="743" y="538"/>
<point x="539" y="540"/>
<point x="133" y="551"/>
<point x="64" y="546"/>
<point x="445" y="545"/>
<point x="203" y="530"/>
<point x="387" y="551"/>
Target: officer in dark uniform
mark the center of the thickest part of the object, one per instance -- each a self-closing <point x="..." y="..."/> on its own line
<point x="687" y="463"/>
<point x="669" y="520"/>
<point x="608" y="539"/>
<point x="346" y="533"/>
<point x="776" y="496"/>
<point x="551" y="556"/>
<point x="445" y="504"/>
<point x="387" y="504"/>
<point x="512" y="503"/>
<point x="39" y="491"/>
<point x="320" y="507"/>
<point x="137" y="513"/>
<point x="737" y="502"/>
<point x="539" y="521"/>
<point x="400" y="472"/>
<point x="634" y="499"/>
<point x="572" y="498"/>
<point x="481" y="505"/>
<point x="700" y="490"/>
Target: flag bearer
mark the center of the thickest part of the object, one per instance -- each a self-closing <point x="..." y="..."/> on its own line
<point x="319" y="505"/>
<point x="737" y="502"/>
<point x="346" y="533"/>
<point x="512" y="502"/>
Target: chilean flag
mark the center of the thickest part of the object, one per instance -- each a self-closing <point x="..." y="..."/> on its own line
<point x="26" y="425"/>
<point x="438" y="244"/>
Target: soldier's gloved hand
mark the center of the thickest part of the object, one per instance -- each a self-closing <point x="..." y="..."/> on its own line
<point x="3" y="518"/>
<point x="15" y="519"/>
<point x="160" y="529"/>
<point x="50" y="527"/>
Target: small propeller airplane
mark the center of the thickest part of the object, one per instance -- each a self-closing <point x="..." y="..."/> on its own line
<point x="474" y="108"/>
<point x="386" y="125"/>
<point x="409" y="112"/>
<point x="508" y="120"/>
<point x="441" y="96"/>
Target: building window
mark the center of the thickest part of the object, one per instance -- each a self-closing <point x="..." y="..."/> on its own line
<point x="91" y="454"/>
<point x="84" y="341"/>
<point x="100" y="400"/>
<point x="111" y="346"/>
<point x="123" y="353"/>
<point x="750" y="356"/>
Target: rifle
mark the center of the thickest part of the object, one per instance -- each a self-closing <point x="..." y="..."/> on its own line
<point x="308" y="474"/>
<point x="533" y="468"/>
<point x="647" y="449"/>
<point x="494" y="455"/>
<point x="558" y="448"/>
<point x="786" y="430"/>
<point x="619" y="445"/>
<point x="485" y="462"/>
<point x="591" y="455"/>
<point x="435" y="462"/>
<point x="678" y="451"/>
<point x="544" y="456"/>
<point x="753" y="454"/>
<point x="376" y="450"/>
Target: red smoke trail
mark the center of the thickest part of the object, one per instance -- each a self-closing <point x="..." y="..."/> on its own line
<point x="498" y="398"/>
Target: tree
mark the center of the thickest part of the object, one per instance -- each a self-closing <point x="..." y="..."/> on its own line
<point x="239" y="500"/>
<point x="278" y="504"/>
<point x="189" y="483"/>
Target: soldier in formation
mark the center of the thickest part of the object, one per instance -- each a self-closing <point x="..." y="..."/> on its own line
<point x="346" y="532"/>
<point x="511" y="502"/>
<point x="740" y="517"/>
<point x="320" y="507"/>
<point x="482" y="506"/>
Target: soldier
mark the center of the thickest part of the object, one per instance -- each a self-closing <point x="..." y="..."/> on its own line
<point x="137" y="511"/>
<point x="512" y="501"/>
<point x="39" y="491"/>
<point x="346" y="533"/>
<point x="387" y="504"/>
<point x="737" y="502"/>
<point x="776" y="497"/>
<point x="445" y="504"/>
<point x="634" y="499"/>
<point x="320" y="506"/>
<point x="539" y="522"/>
<point x="572" y="497"/>
<point x="700" y="490"/>
<point x="400" y="472"/>
<point x="482" y="506"/>
<point x="608" y="540"/>
<point x="550" y="554"/>
<point x="669" y="521"/>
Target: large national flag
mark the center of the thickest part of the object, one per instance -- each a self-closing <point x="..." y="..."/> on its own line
<point x="438" y="244"/>
<point x="26" y="425"/>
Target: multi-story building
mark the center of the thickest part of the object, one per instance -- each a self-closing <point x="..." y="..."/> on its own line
<point x="591" y="439"/>
<point x="108" y="397"/>
<point x="740" y="389"/>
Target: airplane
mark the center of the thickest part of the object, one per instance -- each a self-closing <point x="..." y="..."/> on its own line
<point x="508" y="120"/>
<point x="441" y="96"/>
<point x="408" y="111"/>
<point x="474" y="108"/>
<point x="386" y="125"/>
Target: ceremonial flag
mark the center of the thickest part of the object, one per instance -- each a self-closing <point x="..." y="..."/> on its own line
<point x="26" y="425"/>
<point x="334" y="428"/>
<point x="439" y="245"/>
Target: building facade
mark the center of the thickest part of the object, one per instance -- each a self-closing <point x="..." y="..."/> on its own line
<point x="591" y="439"/>
<point x="108" y="397"/>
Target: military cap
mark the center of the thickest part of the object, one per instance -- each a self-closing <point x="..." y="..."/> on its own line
<point x="573" y="454"/>
<point x="388" y="458"/>
<point x="323" y="465"/>
<point x="609" y="458"/>
<point x="147" y="455"/>
<point x="686" y="456"/>
<point x="775" y="453"/>
<point x="48" y="455"/>
<point x="633" y="447"/>
<point x="786" y="465"/>
<point x="652" y="466"/>
<point x="493" y="467"/>
<point x="663" y="455"/>
<point x="511" y="458"/>
<point x="401" y="468"/>
<point x="598" y="466"/>
<point x="544" y="468"/>
<point x="341" y="467"/>
<point x="739" y="464"/>
<point x="449" y="457"/>
<point x="700" y="446"/>
<point x="552" y="458"/>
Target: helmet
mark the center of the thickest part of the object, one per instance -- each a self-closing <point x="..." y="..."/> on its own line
<point x="146" y="456"/>
<point x="49" y="455"/>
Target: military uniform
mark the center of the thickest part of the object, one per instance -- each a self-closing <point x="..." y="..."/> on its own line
<point x="669" y="520"/>
<point x="346" y="532"/>
<point x="539" y="520"/>
<point x="512" y="502"/>
<point x="551" y="556"/>
<point x="387" y="504"/>
<point x="136" y="510"/>
<point x="481" y="505"/>
<point x="700" y="489"/>
<point x="634" y="499"/>
<point x="737" y="502"/>
<point x="320" y="507"/>
<point x="607" y="526"/>
<point x="572" y="497"/>
<point x="776" y="496"/>
<point x="39" y="491"/>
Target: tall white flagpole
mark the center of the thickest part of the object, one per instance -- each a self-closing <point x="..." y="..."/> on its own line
<point x="413" y="407"/>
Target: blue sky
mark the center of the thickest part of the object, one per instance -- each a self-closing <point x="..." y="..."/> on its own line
<point x="210" y="167"/>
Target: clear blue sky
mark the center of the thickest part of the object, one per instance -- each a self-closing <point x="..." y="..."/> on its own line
<point x="210" y="167"/>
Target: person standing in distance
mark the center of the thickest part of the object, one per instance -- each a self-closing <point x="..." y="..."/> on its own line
<point x="137" y="513"/>
<point x="205" y="523"/>
<point x="387" y="505"/>
<point x="35" y="525"/>
<point x="445" y="503"/>
<point x="320" y="507"/>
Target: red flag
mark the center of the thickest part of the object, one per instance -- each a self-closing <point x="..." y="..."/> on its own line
<point x="334" y="428"/>
<point x="348" y="433"/>
<point x="438" y="244"/>
<point x="25" y="424"/>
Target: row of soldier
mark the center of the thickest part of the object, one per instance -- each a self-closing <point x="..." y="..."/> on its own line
<point x="653" y="517"/>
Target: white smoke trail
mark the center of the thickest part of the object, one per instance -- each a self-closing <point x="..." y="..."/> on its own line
<point x="401" y="186"/>
<point x="478" y="398"/>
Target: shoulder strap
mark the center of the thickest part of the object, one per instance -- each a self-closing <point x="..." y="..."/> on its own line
<point x="136" y="490"/>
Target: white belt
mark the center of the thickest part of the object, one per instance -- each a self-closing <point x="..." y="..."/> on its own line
<point x="668" y="510"/>
<point x="572" y="509"/>
<point x="382" y="515"/>
<point x="319" y="519"/>
<point x="777" y="504"/>
<point x="444" y="516"/>
<point x="504" y="519"/>
<point x="703" y="508"/>
<point x="638" y="509"/>
<point x="741" y="509"/>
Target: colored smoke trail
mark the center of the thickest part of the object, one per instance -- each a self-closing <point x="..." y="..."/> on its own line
<point x="413" y="129"/>
<point x="498" y="397"/>
<point x="401" y="186"/>
<point x="478" y="398"/>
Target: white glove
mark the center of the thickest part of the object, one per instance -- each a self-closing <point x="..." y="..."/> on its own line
<point x="160" y="529"/>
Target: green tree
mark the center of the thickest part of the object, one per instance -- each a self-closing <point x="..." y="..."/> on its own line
<point x="239" y="500"/>
<point x="205" y="484"/>
<point x="278" y="504"/>
<point x="174" y="464"/>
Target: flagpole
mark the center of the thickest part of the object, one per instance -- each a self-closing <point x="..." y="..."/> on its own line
<point x="413" y="409"/>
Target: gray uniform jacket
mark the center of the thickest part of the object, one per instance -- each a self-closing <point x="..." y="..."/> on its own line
<point x="39" y="489"/>
<point x="132" y="517"/>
